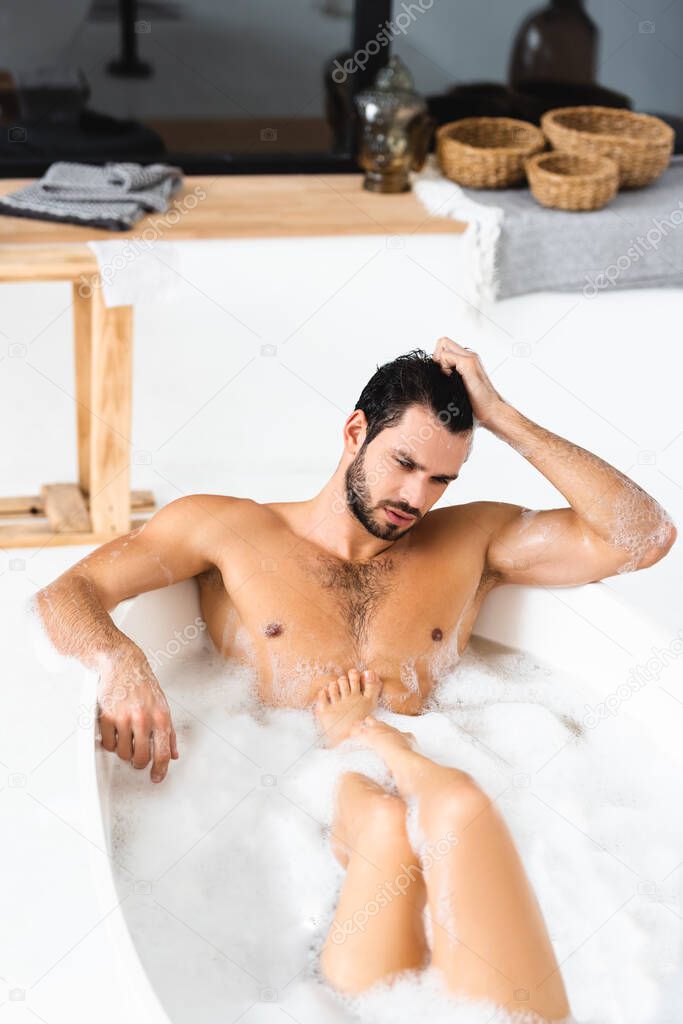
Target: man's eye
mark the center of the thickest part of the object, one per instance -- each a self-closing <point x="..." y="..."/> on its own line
<point x="402" y="462"/>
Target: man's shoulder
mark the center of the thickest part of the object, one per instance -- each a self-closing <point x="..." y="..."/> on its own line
<point x="214" y="523"/>
<point x="205" y="504"/>
<point x="467" y="530"/>
<point x="486" y="516"/>
<point x="211" y="513"/>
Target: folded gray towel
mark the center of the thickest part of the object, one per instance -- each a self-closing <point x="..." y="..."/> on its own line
<point x="517" y="246"/>
<point x="114" y="196"/>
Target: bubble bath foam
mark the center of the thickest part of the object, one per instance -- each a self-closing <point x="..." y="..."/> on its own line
<point x="229" y="884"/>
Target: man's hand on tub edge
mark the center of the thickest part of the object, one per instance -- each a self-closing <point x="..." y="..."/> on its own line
<point x="134" y="716"/>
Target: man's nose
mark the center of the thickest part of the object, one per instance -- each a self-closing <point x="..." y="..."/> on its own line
<point x="413" y="494"/>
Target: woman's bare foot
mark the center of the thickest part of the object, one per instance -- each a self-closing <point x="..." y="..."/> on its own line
<point x="347" y="700"/>
<point x="413" y="772"/>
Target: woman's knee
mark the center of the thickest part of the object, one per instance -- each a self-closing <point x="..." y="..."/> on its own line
<point x="457" y="802"/>
<point x="386" y="818"/>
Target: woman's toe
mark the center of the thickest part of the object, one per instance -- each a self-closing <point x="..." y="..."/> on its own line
<point x="369" y="683"/>
<point x="354" y="681"/>
<point x="334" y="692"/>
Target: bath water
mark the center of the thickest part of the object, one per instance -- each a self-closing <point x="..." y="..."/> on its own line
<point x="229" y="884"/>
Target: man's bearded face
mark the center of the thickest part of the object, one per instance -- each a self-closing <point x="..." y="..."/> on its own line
<point x="368" y="514"/>
<point x="408" y="469"/>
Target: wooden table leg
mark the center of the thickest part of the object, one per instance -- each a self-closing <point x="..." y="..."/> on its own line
<point x="110" y="416"/>
<point x="82" y="313"/>
<point x="99" y="507"/>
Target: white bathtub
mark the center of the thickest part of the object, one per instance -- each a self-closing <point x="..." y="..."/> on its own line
<point x="573" y="365"/>
<point x="587" y="631"/>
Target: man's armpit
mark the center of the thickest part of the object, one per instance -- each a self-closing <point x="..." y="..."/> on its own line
<point x="489" y="579"/>
<point x="212" y="579"/>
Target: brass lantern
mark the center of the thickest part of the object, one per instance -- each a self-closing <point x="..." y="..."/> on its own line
<point x="394" y="129"/>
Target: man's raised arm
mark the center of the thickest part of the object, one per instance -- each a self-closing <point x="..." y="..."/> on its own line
<point x="612" y="524"/>
<point x="177" y="543"/>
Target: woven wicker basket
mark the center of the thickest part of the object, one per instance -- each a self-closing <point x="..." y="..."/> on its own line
<point x="487" y="152"/>
<point x="565" y="181"/>
<point x="641" y="144"/>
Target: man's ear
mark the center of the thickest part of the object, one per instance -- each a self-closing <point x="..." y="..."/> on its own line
<point x="355" y="429"/>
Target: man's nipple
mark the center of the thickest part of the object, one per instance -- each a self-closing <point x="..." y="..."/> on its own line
<point x="273" y="629"/>
<point x="437" y="634"/>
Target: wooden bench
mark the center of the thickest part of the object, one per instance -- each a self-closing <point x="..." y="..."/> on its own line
<point x="100" y="505"/>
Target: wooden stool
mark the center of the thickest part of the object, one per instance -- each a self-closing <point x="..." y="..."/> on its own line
<point x="99" y="506"/>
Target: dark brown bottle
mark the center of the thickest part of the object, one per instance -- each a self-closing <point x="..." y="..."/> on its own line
<point x="558" y="43"/>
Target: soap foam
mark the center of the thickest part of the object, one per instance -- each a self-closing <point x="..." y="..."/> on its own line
<point x="237" y="884"/>
<point x="643" y="524"/>
<point x="422" y="996"/>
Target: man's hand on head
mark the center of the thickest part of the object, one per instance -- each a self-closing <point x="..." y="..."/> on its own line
<point x="485" y="401"/>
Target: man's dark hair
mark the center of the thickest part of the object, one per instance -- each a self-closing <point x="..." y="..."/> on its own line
<point x="414" y="379"/>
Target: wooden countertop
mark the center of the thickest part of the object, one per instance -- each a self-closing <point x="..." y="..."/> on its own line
<point x="226" y="206"/>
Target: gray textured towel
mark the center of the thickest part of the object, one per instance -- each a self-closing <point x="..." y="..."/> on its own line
<point x="115" y="196"/>
<point x="518" y="246"/>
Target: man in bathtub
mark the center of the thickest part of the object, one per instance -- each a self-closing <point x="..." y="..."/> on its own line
<point x="364" y="575"/>
<point x="365" y="596"/>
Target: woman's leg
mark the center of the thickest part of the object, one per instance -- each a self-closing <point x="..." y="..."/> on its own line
<point x="377" y="930"/>
<point x="489" y="936"/>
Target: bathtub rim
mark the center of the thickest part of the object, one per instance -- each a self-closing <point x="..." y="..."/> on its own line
<point x="134" y="984"/>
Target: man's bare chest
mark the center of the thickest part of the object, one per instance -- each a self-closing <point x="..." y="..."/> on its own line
<point x="302" y="619"/>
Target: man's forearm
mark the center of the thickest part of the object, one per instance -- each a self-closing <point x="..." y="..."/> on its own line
<point x="78" y="625"/>
<point x="133" y="714"/>
<point x="610" y="503"/>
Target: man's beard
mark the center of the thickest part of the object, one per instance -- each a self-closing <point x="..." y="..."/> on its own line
<point x="358" y="501"/>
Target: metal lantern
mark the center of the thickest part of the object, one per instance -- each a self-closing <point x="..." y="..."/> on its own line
<point x="394" y="129"/>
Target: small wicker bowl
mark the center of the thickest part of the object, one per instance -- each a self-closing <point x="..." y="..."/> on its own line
<point x="640" y="143"/>
<point x="487" y="152"/>
<point x="568" y="182"/>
